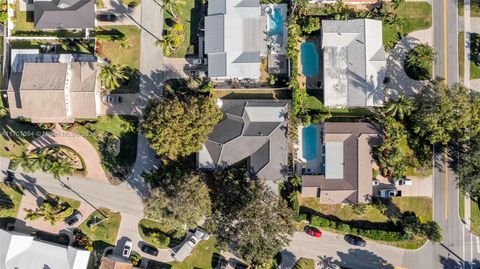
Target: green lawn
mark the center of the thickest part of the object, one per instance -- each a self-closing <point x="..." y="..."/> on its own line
<point x="422" y="206"/>
<point x="10" y="200"/>
<point x="125" y="128"/>
<point x="461" y="205"/>
<point x="304" y="263"/>
<point x="75" y="204"/>
<point x="475" y="218"/>
<point x="81" y="47"/>
<point x="461" y="55"/>
<point x="475" y="67"/>
<point x="15" y="135"/>
<point x="474" y="8"/>
<point x="201" y="256"/>
<point x="105" y="233"/>
<point x="189" y="10"/>
<point x="128" y="56"/>
<point x="145" y="225"/>
<point x="417" y="16"/>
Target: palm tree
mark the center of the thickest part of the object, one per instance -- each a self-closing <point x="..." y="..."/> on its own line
<point x="171" y="6"/>
<point x="400" y="108"/>
<point x="422" y="55"/>
<point x="24" y="160"/>
<point x="61" y="167"/>
<point x="397" y="3"/>
<point x="111" y="74"/>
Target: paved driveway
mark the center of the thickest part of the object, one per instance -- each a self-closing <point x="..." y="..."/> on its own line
<point x="130" y="105"/>
<point x="79" y="144"/>
<point x="125" y="16"/>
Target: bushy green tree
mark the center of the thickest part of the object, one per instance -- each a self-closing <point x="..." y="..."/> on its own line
<point x="249" y="217"/>
<point x="52" y="209"/>
<point x="179" y="127"/>
<point x="467" y="174"/>
<point x="432" y="231"/>
<point x="443" y="113"/>
<point x="310" y="24"/>
<point x="81" y="240"/>
<point x="179" y="202"/>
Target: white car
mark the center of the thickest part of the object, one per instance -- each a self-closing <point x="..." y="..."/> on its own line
<point x="403" y="182"/>
<point x="389" y="193"/>
<point x="127" y="249"/>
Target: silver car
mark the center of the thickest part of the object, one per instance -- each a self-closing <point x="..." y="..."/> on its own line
<point x="73" y="219"/>
<point x="127" y="249"/>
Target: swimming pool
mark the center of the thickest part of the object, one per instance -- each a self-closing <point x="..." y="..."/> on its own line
<point x="275" y="22"/>
<point x="309" y="142"/>
<point x="309" y="59"/>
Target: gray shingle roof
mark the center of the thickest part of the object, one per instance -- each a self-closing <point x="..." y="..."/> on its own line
<point x="64" y="14"/>
<point x="216" y="7"/>
<point x="215" y="36"/>
<point x="217" y="64"/>
<point x="239" y="135"/>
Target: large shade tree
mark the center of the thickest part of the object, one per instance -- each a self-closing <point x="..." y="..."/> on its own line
<point x="179" y="202"/>
<point x="468" y="166"/>
<point x="249" y="217"/>
<point x="179" y="127"/>
<point x="444" y="113"/>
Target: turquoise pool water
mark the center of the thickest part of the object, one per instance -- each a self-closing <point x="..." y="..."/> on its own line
<point x="275" y="25"/>
<point x="309" y="59"/>
<point x="310" y="142"/>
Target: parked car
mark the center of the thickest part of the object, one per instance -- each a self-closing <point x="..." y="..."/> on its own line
<point x="313" y="232"/>
<point x="389" y="193"/>
<point x="355" y="240"/>
<point x="112" y="99"/>
<point x="107" y="17"/>
<point x="403" y="182"/>
<point x="9" y="177"/>
<point x="127" y="249"/>
<point x="149" y="249"/>
<point x="203" y="61"/>
<point x="73" y="219"/>
<point x="218" y="261"/>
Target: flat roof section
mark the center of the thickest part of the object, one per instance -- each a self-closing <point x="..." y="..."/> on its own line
<point x="334" y="163"/>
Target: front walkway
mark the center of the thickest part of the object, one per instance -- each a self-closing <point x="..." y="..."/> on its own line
<point x="400" y="83"/>
<point x="79" y="144"/>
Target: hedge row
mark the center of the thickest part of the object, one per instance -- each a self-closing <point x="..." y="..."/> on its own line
<point x="369" y="233"/>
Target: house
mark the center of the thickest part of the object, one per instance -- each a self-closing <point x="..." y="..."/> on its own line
<point x="252" y="130"/>
<point x="345" y="174"/>
<point x="115" y="262"/>
<point x="354" y="63"/>
<point x="23" y="251"/>
<point x="53" y="89"/>
<point x="238" y="33"/>
<point x="64" y="14"/>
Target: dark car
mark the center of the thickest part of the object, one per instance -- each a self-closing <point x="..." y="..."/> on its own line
<point x="218" y="261"/>
<point x="112" y="99"/>
<point x="107" y="17"/>
<point x="149" y="250"/>
<point x="73" y="219"/>
<point x="355" y="240"/>
<point x="9" y="177"/>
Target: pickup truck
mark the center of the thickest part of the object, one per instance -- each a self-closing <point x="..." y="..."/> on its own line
<point x="187" y="247"/>
<point x="389" y="193"/>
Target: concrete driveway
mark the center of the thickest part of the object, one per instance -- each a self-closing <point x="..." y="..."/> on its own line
<point x="419" y="187"/>
<point x="125" y="15"/>
<point x="130" y="105"/>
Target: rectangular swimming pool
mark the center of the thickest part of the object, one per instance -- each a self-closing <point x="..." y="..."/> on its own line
<point x="310" y="138"/>
<point x="275" y="22"/>
<point x="309" y="59"/>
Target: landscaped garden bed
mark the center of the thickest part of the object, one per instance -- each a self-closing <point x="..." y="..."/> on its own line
<point x="102" y="227"/>
<point x="157" y="234"/>
<point x="115" y="138"/>
<point x="181" y="20"/>
<point x="375" y="221"/>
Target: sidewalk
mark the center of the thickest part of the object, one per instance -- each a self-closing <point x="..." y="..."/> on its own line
<point x="467" y="31"/>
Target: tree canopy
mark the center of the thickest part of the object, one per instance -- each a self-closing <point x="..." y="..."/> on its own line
<point x="467" y="172"/>
<point x="179" y="127"/>
<point x="249" y="217"/>
<point x="179" y="202"/>
<point x="444" y="113"/>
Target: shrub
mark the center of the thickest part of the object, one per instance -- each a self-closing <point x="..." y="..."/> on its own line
<point x="319" y="221"/>
<point x="160" y="238"/>
<point x="342" y="227"/>
<point x="301" y="217"/>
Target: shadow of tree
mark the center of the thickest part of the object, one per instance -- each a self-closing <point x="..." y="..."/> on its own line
<point x="368" y="259"/>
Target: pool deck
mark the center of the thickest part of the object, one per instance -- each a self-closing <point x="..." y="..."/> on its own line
<point x="313" y="165"/>
<point x="311" y="83"/>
